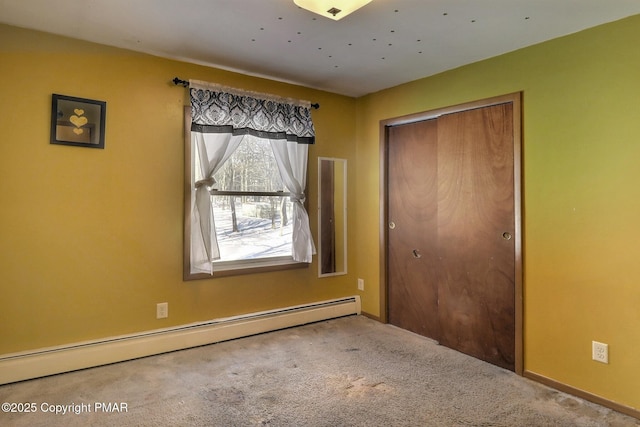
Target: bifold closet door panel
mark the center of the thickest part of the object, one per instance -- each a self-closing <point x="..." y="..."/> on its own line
<point x="475" y="228"/>
<point x="412" y="234"/>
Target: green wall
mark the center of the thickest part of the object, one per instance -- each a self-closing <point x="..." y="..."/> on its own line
<point x="581" y="131"/>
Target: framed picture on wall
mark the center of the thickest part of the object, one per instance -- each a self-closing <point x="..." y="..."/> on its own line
<point x="77" y="121"/>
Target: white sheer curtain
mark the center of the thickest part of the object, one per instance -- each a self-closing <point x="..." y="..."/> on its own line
<point x="291" y="158"/>
<point x="210" y="151"/>
<point x="221" y="118"/>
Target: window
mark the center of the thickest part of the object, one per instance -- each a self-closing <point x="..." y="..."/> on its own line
<point x="245" y="181"/>
<point x="252" y="208"/>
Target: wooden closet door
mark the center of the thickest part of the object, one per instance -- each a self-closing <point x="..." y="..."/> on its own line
<point x="450" y="245"/>
<point x="412" y="238"/>
<point x="475" y="230"/>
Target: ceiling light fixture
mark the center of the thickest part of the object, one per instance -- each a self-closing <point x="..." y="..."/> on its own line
<point x="333" y="9"/>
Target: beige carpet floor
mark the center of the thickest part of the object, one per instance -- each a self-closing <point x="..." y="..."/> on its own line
<point x="350" y="371"/>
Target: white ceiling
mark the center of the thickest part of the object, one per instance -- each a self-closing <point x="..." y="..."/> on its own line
<point x="385" y="43"/>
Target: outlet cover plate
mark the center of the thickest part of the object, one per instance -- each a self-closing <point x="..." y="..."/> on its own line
<point x="600" y="352"/>
<point x="162" y="310"/>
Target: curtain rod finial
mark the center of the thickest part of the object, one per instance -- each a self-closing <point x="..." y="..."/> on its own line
<point x="176" y="81"/>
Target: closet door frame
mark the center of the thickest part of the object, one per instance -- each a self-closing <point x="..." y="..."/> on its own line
<point x="515" y="100"/>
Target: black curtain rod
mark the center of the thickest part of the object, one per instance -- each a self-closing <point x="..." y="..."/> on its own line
<point x="184" y="83"/>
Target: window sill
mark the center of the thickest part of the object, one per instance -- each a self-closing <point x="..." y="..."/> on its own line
<point x="236" y="268"/>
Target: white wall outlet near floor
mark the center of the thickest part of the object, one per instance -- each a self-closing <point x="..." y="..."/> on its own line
<point x="361" y="284"/>
<point x="162" y="310"/>
<point x="600" y="352"/>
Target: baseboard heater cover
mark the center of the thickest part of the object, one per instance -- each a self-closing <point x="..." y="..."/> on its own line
<point x="54" y="360"/>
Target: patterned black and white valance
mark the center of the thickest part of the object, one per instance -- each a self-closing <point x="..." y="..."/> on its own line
<point x="220" y="109"/>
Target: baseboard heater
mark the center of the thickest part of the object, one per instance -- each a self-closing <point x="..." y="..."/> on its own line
<point x="54" y="360"/>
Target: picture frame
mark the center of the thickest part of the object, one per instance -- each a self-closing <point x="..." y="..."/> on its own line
<point x="77" y="121"/>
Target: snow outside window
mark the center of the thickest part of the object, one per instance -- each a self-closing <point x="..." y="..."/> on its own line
<point x="252" y="208"/>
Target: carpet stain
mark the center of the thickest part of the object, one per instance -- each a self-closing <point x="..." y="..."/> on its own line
<point x="226" y="396"/>
<point x="263" y="421"/>
<point x="578" y="407"/>
<point x="357" y="386"/>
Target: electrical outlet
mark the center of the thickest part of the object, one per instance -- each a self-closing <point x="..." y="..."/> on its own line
<point x="361" y="284"/>
<point x="600" y="352"/>
<point x="162" y="310"/>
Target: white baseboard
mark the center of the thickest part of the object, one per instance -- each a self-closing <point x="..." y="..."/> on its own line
<point x="54" y="360"/>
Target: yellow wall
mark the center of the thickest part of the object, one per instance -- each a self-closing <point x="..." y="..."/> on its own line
<point x="91" y="240"/>
<point x="581" y="199"/>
